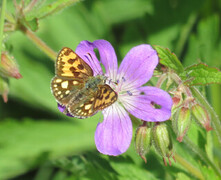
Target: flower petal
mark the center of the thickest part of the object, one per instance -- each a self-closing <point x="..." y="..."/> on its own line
<point x="141" y="105"/>
<point x="137" y="67"/>
<point x="114" y="134"/>
<point x="62" y="108"/>
<point x="86" y="51"/>
<point x="107" y="56"/>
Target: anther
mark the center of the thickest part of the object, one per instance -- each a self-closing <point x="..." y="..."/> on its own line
<point x="129" y="93"/>
<point x="123" y="79"/>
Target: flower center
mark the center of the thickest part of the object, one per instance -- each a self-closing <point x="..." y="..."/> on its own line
<point x="117" y="87"/>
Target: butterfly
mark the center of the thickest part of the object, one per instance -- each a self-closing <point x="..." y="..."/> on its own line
<point x="75" y="87"/>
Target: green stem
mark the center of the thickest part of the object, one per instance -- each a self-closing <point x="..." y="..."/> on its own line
<point x="214" y="118"/>
<point x="30" y="6"/>
<point x="202" y="155"/>
<point x="215" y="98"/>
<point x="2" y="20"/>
<point x="39" y="43"/>
<point x="189" y="167"/>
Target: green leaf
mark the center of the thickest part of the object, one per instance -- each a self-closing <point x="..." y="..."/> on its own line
<point x="117" y="11"/>
<point x="208" y="172"/>
<point x="26" y="144"/>
<point x="201" y="74"/>
<point x="205" y="43"/>
<point x="169" y="59"/>
<point x="32" y="24"/>
<point x="182" y="176"/>
<point x="49" y="9"/>
<point x="127" y="169"/>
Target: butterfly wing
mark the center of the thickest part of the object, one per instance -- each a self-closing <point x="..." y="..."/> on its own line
<point x="64" y="89"/>
<point x="90" y="105"/>
<point x="71" y="73"/>
<point x="105" y="97"/>
<point x="68" y="86"/>
<point x="70" y="65"/>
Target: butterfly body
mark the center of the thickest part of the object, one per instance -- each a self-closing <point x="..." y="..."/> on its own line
<point x="75" y="87"/>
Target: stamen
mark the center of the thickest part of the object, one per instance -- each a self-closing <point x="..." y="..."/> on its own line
<point x="129" y="93"/>
<point x="123" y="79"/>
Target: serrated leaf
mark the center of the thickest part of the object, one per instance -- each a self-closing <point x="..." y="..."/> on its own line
<point x="169" y="59"/>
<point x="201" y="74"/>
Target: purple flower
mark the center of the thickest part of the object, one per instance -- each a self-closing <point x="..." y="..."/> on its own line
<point x="114" y="134"/>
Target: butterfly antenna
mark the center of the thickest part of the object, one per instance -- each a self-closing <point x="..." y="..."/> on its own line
<point x="95" y="68"/>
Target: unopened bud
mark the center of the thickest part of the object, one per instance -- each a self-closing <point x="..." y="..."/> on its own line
<point x="4" y="89"/>
<point x="162" y="141"/>
<point x="177" y="101"/>
<point x="143" y="141"/>
<point x="182" y="122"/>
<point x="9" y="67"/>
<point x="201" y="116"/>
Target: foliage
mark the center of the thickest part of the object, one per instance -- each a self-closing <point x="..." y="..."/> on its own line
<point x="38" y="142"/>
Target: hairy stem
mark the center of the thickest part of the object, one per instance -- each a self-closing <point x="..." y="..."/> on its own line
<point x="214" y="118"/>
<point x="30" y="6"/>
<point x="2" y="21"/>
<point x="189" y="167"/>
<point x="202" y="155"/>
<point x="39" y="43"/>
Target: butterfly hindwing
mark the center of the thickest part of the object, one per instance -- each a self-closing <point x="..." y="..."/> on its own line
<point x="104" y="97"/>
<point x="84" y="107"/>
<point x="64" y="89"/>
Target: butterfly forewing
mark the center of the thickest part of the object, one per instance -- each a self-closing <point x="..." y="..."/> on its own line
<point x="69" y="64"/>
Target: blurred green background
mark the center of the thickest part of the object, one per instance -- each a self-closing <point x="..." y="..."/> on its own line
<point x="38" y="142"/>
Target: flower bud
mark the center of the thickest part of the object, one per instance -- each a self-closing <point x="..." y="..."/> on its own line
<point x="182" y="122"/>
<point x="162" y="141"/>
<point x="9" y="67"/>
<point x="143" y="141"/>
<point x="4" y="89"/>
<point x="201" y="116"/>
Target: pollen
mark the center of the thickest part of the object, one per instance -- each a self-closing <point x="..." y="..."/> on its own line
<point x="64" y="84"/>
<point x="67" y="92"/>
